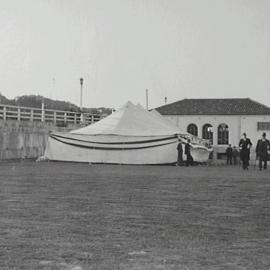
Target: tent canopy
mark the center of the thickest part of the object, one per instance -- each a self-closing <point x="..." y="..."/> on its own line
<point x="130" y="120"/>
<point x="167" y="122"/>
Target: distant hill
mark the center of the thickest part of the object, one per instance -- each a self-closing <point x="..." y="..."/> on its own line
<point x="36" y="101"/>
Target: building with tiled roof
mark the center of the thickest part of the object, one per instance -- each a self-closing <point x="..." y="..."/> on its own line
<point x="229" y="106"/>
<point x="222" y="121"/>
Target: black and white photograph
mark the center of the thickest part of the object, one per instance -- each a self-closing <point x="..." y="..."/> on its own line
<point x="134" y="134"/>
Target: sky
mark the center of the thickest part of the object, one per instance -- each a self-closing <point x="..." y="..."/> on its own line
<point x="175" y="48"/>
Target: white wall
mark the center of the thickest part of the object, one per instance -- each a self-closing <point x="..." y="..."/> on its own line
<point x="237" y="126"/>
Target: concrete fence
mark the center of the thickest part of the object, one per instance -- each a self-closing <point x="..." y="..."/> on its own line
<point x="25" y="140"/>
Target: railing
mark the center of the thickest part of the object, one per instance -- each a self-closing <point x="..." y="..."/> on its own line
<point x="60" y="118"/>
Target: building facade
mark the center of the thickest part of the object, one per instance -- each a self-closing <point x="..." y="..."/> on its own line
<point x="221" y="121"/>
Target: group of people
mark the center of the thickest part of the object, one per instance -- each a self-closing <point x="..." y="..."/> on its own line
<point x="262" y="152"/>
<point x="232" y="155"/>
<point x="189" y="158"/>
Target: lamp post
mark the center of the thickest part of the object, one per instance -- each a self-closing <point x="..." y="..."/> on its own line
<point x="81" y="96"/>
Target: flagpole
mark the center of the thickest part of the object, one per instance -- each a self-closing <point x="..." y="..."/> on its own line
<point x="146" y="96"/>
<point x="81" y="94"/>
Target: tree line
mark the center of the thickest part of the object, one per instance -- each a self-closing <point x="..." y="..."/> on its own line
<point x="35" y="101"/>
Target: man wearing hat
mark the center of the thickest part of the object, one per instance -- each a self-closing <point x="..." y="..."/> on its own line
<point x="245" y="145"/>
<point x="180" y="153"/>
<point x="262" y="149"/>
<point x="189" y="160"/>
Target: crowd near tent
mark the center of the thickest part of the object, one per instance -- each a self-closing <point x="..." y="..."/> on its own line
<point x="131" y="135"/>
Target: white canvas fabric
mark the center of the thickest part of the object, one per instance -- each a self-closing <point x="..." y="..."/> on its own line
<point x="167" y="122"/>
<point x="130" y="120"/>
<point x="131" y="135"/>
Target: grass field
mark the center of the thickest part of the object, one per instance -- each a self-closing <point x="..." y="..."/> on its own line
<point x="77" y="216"/>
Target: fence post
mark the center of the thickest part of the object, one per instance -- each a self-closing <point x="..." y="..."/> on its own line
<point x="92" y="119"/>
<point x="4" y="113"/>
<point x="32" y="115"/>
<point x="65" y="117"/>
<point x="42" y="112"/>
<point x="54" y="117"/>
<point x="19" y="114"/>
<point x="75" y="118"/>
<point x="82" y="118"/>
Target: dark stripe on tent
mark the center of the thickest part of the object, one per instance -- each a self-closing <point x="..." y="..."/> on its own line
<point x="109" y="148"/>
<point x="121" y="143"/>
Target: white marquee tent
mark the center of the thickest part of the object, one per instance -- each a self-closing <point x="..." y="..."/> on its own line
<point x="131" y="135"/>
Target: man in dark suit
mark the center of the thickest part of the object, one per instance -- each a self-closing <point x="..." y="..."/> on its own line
<point x="245" y="145"/>
<point x="180" y="153"/>
<point x="235" y="155"/>
<point x="229" y="155"/>
<point x="189" y="160"/>
<point x="262" y="149"/>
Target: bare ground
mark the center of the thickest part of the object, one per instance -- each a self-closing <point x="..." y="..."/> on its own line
<point x="77" y="216"/>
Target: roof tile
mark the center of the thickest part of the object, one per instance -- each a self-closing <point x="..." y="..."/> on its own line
<point x="230" y="106"/>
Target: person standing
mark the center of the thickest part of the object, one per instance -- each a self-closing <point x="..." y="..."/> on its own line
<point x="180" y="153"/>
<point x="262" y="148"/>
<point x="245" y="145"/>
<point x="189" y="160"/>
<point x="229" y="152"/>
<point x="235" y="155"/>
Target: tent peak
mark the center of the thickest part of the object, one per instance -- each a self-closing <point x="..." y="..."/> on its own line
<point x="128" y="104"/>
<point x="130" y="120"/>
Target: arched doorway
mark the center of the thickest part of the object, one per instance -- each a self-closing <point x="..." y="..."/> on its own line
<point x="207" y="132"/>
<point x="192" y="129"/>
<point x="223" y="134"/>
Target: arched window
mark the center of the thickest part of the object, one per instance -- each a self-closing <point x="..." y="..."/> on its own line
<point x="223" y="134"/>
<point x="192" y="129"/>
<point x="207" y="132"/>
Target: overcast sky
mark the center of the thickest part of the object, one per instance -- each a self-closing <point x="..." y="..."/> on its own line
<point x="175" y="48"/>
